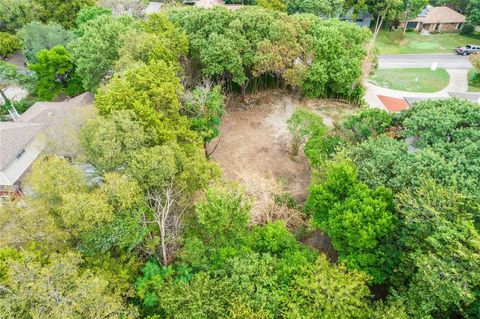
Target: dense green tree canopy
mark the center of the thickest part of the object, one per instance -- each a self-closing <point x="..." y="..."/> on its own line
<point x="37" y="36"/>
<point x="229" y="271"/>
<point x="439" y="140"/>
<point x="9" y="44"/>
<point x="136" y="223"/>
<point x="204" y="106"/>
<point x="96" y="50"/>
<point x="360" y="221"/>
<point x="88" y="13"/>
<point x="55" y="74"/>
<point x="322" y="8"/>
<point x="441" y="252"/>
<point x="152" y="91"/>
<point x="58" y="288"/>
<point x="242" y="45"/>
<point x="62" y="12"/>
<point x="16" y="14"/>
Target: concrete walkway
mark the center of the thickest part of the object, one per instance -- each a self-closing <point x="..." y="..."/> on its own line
<point x="458" y="83"/>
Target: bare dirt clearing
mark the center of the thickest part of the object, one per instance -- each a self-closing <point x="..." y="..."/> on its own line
<point x="255" y="141"/>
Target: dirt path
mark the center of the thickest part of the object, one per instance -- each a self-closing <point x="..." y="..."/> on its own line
<point x="256" y="141"/>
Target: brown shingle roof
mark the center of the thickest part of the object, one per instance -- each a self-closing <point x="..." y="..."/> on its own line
<point x="440" y="15"/>
<point x="51" y="112"/>
<point x="14" y="136"/>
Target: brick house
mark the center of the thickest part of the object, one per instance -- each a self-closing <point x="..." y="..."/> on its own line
<point x="436" y="19"/>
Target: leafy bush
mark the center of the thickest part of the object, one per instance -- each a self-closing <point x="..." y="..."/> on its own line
<point x="278" y="5"/>
<point x="9" y="44"/>
<point x="365" y="124"/>
<point x="468" y="29"/>
<point x="91" y="12"/>
<point x="24" y="104"/>
<point x="303" y="125"/>
<point x="320" y="148"/>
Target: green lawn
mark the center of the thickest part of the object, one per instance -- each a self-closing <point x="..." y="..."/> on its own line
<point x="473" y="81"/>
<point x="394" y="42"/>
<point x="412" y="80"/>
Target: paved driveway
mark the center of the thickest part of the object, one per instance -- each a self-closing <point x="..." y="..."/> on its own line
<point x="446" y="61"/>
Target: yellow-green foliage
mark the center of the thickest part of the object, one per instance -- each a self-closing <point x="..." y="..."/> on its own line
<point x="9" y="44"/>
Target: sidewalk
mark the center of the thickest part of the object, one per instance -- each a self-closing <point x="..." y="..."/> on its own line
<point x="458" y="83"/>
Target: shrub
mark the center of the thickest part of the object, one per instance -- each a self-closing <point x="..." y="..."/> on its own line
<point x="21" y="106"/>
<point x="24" y="104"/>
<point x="468" y="29"/>
<point x="9" y="44"/>
<point x="303" y="125"/>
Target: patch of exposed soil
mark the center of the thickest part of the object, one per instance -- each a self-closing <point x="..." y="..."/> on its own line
<point x="321" y="243"/>
<point x="255" y="139"/>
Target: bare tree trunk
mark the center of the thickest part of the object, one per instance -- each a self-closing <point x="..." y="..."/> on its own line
<point x="208" y="154"/>
<point x="367" y="64"/>
<point x="406" y="22"/>
<point x="167" y="213"/>
<point x="244" y="89"/>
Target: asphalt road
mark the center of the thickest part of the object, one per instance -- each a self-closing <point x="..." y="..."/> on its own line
<point x="447" y="61"/>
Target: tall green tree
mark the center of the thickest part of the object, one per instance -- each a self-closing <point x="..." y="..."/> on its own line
<point x="304" y="125"/>
<point x="152" y="91"/>
<point x="411" y="9"/>
<point x="55" y="73"/>
<point x="16" y="14"/>
<point x="438" y="274"/>
<point x="360" y="221"/>
<point x="88" y="13"/>
<point x="96" y="50"/>
<point x="473" y="12"/>
<point x="9" y="44"/>
<point x="334" y="71"/>
<point x="62" y="12"/>
<point x="321" y="8"/>
<point x="58" y="288"/>
<point x="109" y="141"/>
<point x="37" y="36"/>
<point x="204" y="106"/>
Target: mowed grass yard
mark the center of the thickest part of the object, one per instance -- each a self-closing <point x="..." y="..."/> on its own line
<point x="414" y="43"/>
<point x="412" y="80"/>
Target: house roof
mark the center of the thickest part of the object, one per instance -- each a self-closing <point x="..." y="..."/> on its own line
<point x="14" y="136"/>
<point x="439" y="15"/>
<point x="53" y="112"/>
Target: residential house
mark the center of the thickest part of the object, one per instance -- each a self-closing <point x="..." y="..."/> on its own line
<point x="436" y="19"/>
<point x="361" y="18"/>
<point x="20" y="144"/>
